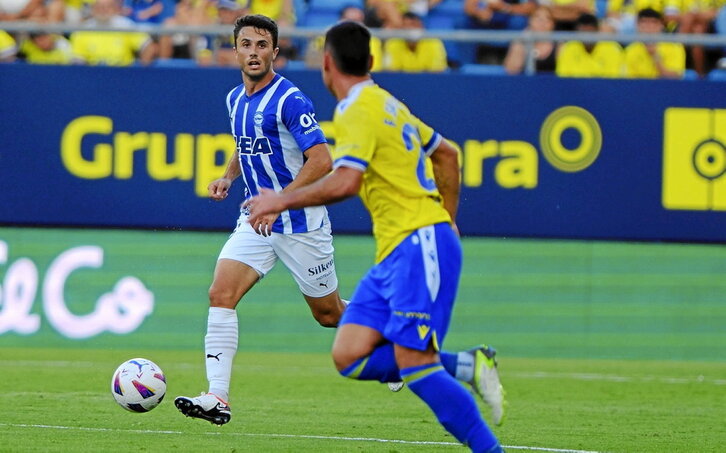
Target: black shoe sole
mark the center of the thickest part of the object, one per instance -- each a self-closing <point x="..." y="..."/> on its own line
<point x="190" y="409"/>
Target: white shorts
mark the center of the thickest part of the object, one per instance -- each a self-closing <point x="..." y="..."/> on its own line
<point x="308" y="256"/>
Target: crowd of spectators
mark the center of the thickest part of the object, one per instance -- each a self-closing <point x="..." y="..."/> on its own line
<point x="607" y="58"/>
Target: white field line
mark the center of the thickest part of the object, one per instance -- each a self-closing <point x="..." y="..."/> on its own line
<point x="293" y="436"/>
<point x="700" y="379"/>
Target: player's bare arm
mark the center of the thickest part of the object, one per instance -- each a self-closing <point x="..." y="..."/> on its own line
<point x="342" y="183"/>
<point x="445" y="160"/>
<point x="318" y="163"/>
<point x="219" y="188"/>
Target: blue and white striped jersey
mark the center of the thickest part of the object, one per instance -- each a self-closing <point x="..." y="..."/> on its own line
<point x="272" y="129"/>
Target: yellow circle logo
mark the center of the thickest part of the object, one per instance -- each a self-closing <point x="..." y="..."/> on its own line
<point x="550" y="139"/>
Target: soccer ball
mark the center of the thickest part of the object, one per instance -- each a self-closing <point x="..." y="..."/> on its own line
<point x="138" y="385"/>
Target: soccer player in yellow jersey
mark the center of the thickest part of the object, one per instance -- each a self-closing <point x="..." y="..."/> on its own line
<point x="408" y="178"/>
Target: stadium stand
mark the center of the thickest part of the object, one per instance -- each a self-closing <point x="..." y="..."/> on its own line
<point x="482" y="69"/>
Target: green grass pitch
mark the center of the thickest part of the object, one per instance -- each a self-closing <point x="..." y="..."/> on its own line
<point x="603" y="347"/>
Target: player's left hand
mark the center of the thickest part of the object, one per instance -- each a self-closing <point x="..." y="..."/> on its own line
<point x="266" y="203"/>
<point x="263" y="224"/>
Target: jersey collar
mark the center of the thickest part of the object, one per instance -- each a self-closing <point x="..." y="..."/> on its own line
<point x="355" y="89"/>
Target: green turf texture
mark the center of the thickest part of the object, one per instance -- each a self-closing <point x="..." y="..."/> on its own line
<point x="591" y="405"/>
<point x="604" y="346"/>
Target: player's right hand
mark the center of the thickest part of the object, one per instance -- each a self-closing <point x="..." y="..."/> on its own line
<point x="219" y="189"/>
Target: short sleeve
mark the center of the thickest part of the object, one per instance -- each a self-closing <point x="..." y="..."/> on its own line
<point x="430" y="139"/>
<point x="137" y="41"/>
<point x="298" y="115"/>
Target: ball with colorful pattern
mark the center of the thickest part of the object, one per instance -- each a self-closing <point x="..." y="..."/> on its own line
<point x="138" y="385"/>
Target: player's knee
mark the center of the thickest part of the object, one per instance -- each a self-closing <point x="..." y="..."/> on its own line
<point x="342" y="359"/>
<point x="221" y="297"/>
<point x="327" y="318"/>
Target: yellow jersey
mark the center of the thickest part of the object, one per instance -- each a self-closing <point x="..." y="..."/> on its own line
<point x="377" y="134"/>
<point x="8" y="49"/>
<point x="692" y="6"/>
<point x="639" y="63"/>
<point x="112" y="48"/>
<point x="429" y="55"/>
<point x="605" y="60"/>
<point x="274" y="9"/>
<point x="633" y="6"/>
<point x="60" y="54"/>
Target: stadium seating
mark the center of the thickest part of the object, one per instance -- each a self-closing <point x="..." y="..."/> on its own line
<point x="334" y="6"/>
<point x="690" y="74"/>
<point x="483" y="69"/>
<point x="175" y="63"/>
<point x="445" y="16"/>
<point x="601" y="8"/>
<point x="717" y="75"/>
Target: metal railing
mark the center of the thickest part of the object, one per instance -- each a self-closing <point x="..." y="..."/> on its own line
<point x="463" y="36"/>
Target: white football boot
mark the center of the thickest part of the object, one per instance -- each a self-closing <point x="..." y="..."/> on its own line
<point x="486" y="381"/>
<point x="207" y="406"/>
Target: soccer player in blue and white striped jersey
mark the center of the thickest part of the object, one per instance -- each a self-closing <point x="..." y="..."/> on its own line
<point x="280" y="146"/>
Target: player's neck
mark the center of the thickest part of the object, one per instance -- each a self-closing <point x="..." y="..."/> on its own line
<point x="252" y="86"/>
<point x="345" y="83"/>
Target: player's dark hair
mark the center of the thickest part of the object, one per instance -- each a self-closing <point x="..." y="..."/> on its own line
<point x="349" y="44"/>
<point x="649" y="13"/>
<point x="587" y="20"/>
<point x="259" y="22"/>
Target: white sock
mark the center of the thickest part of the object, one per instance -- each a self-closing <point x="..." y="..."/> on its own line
<point x="220" y="346"/>
<point x="465" y="366"/>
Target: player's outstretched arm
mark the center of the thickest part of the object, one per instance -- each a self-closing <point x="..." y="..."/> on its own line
<point x="219" y="188"/>
<point x="446" y="174"/>
<point x="342" y="183"/>
<point x="318" y="163"/>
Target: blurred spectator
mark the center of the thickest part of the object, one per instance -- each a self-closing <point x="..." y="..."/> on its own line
<point x="108" y="47"/>
<point x="143" y="11"/>
<point x="499" y="14"/>
<point x="622" y="14"/>
<point x="228" y="12"/>
<point x="46" y="48"/>
<point x="600" y="59"/>
<point x="314" y="50"/>
<point x="391" y="12"/>
<point x="698" y="16"/>
<point x="281" y="11"/>
<point x="424" y="55"/>
<point x="544" y="52"/>
<point x="69" y="11"/>
<point x="494" y="15"/>
<point x="566" y="12"/>
<point x="8" y="49"/>
<point x="180" y="45"/>
<point x="654" y="60"/>
<point x="12" y="10"/>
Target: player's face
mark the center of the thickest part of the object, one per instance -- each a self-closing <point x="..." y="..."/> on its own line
<point x="255" y="52"/>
